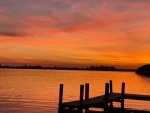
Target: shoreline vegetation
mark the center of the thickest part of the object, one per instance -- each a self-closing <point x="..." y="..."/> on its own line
<point x="90" y="68"/>
<point x="144" y="70"/>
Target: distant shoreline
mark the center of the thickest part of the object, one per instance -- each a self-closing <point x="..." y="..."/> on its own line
<point x="91" y="68"/>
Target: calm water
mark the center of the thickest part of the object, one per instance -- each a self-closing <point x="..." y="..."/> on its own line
<point x="36" y="91"/>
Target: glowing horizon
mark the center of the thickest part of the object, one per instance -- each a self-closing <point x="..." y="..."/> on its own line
<point x="75" y="33"/>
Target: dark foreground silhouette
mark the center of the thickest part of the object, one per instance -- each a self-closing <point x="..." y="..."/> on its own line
<point x="114" y="110"/>
<point x="144" y="70"/>
<point x="104" y="102"/>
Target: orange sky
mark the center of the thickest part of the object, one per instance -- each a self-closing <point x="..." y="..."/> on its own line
<point x="75" y="32"/>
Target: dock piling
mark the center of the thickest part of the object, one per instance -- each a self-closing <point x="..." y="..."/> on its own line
<point x="86" y="95"/>
<point x="60" y="97"/>
<point x="122" y="95"/>
<point x="81" y="94"/>
<point x="111" y="91"/>
<point x="106" y="97"/>
<point x="80" y="109"/>
<point x="110" y="84"/>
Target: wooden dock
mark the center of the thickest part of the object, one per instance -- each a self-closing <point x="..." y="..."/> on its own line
<point x="102" y="101"/>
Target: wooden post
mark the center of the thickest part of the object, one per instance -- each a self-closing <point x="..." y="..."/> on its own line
<point x="86" y="95"/>
<point x="60" y="97"/>
<point x="111" y="91"/>
<point x="81" y="94"/>
<point x="110" y="83"/>
<point x="81" y="98"/>
<point x="106" y="97"/>
<point x="106" y="91"/>
<point x="122" y="96"/>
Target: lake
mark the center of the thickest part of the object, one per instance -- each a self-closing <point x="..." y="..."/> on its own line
<point x="36" y="91"/>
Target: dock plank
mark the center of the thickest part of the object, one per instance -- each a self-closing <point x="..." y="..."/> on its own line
<point x="101" y="99"/>
<point x="137" y="97"/>
<point x="93" y="101"/>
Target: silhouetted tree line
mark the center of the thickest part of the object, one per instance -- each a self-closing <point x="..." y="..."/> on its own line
<point x="22" y="67"/>
<point x="103" y="68"/>
<point x="96" y="68"/>
<point x="65" y="68"/>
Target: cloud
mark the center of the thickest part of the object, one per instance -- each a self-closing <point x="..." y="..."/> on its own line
<point x="52" y="17"/>
<point x="12" y="34"/>
<point x="11" y="25"/>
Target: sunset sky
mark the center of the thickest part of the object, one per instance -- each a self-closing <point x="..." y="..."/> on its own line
<point x="75" y="32"/>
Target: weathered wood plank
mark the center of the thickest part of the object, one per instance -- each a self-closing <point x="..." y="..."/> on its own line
<point x="101" y="99"/>
<point x="137" y="97"/>
<point x="93" y="101"/>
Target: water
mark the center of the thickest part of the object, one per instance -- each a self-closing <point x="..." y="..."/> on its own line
<point x="36" y="91"/>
